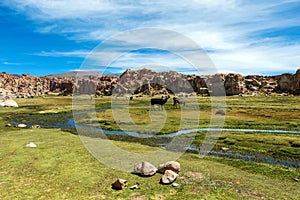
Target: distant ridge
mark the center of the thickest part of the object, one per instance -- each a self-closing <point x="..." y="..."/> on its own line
<point x="74" y="74"/>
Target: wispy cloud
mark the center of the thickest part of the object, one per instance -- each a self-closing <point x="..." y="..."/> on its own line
<point x="241" y="36"/>
<point x="11" y="63"/>
<point x="80" y="53"/>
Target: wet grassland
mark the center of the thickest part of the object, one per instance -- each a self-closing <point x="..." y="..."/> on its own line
<point x="37" y="173"/>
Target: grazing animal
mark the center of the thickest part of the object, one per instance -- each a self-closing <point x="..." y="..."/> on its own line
<point x="178" y="101"/>
<point x="159" y="102"/>
<point x="131" y="98"/>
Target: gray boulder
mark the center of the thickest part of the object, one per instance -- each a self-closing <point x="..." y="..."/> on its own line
<point x="169" y="177"/>
<point x="144" y="169"/>
<point x="7" y="101"/>
<point x="171" y="165"/>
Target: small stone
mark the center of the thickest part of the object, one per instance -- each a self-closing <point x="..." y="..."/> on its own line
<point x="35" y="126"/>
<point x="224" y="149"/>
<point x="8" y="125"/>
<point x="169" y="177"/>
<point x="21" y="125"/>
<point x="175" y="184"/>
<point x="134" y="187"/>
<point x="31" y="145"/>
<point x="220" y="112"/>
<point x="119" y="184"/>
<point x="295" y="179"/>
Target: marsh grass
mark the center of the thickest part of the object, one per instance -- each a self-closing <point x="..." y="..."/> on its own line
<point x="61" y="168"/>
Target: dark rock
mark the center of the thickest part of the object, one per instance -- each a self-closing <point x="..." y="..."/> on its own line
<point x="119" y="184"/>
<point x="220" y="112"/>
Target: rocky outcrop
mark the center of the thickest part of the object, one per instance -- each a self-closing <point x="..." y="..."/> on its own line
<point x="146" y="81"/>
<point x="24" y="85"/>
<point x="234" y="84"/>
<point x="289" y="83"/>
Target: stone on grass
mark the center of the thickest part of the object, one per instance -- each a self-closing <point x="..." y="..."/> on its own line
<point x="144" y="169"/>
<point x="35" y="126"/>
<point x="8" y="101"/>
<point x="119" y="184"/>
<point x="31" y="144"/>
<point x="8" y="125"/>
<point x="171" y="165"/>
<point x="134" y="187"/>
<point x="169" y="177"/>
<point x="220" y="112"/>
<point x="225" y="149"/>
<point x="21" y="125"/>
<point x="175" y="184"/>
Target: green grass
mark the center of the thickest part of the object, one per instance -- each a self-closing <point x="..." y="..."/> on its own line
<point x="61" y="168"/>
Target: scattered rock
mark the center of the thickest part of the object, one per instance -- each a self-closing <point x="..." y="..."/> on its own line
<point x="31" y="144"/>
<point x="134" y="187"/>
<point x="169" y="177"/>
<point x="175" y="184"/>
<point x="119" y="184"/>
<point x="8" y="125"/>
<point x="296" y="179"/>
<point x="220" y="112"/>
<point x="35" y="126"/>
<point x="224" y="149"/>
<point x="144" y="169"/>
<point x="21" y="125"/>
<point x="171" y="165"/>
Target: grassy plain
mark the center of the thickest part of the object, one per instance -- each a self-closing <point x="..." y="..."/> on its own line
<point x="61" y="168"/>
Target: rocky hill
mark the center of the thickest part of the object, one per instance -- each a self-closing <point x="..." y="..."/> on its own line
<point x="148" y="82"/>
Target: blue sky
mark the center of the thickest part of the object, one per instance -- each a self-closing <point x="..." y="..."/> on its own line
<point x="42" y="37"/>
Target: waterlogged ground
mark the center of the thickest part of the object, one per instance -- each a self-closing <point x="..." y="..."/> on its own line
<point x="37" y="173"/>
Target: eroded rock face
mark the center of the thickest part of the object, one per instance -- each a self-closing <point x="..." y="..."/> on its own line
<point x="146" y="81"/>
<point x="290" y="83"/>
<point x="24" y="85"/>
<point x="234" y="84"/>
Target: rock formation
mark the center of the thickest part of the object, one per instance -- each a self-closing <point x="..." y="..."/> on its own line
<point x="289" y="83"/>
<point x="146" y="81"/>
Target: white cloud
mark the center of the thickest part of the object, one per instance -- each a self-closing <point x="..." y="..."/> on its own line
<point x="81" y="53"/>
<point x="232" y="31"/>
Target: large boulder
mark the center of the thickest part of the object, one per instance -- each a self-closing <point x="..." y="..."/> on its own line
<point x="144" y="169"/>
<point x="7" y="101"/>
<point x="171" y="165"/>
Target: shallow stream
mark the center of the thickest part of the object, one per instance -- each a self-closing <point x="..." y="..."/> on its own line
<point x="66" y="121"/>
